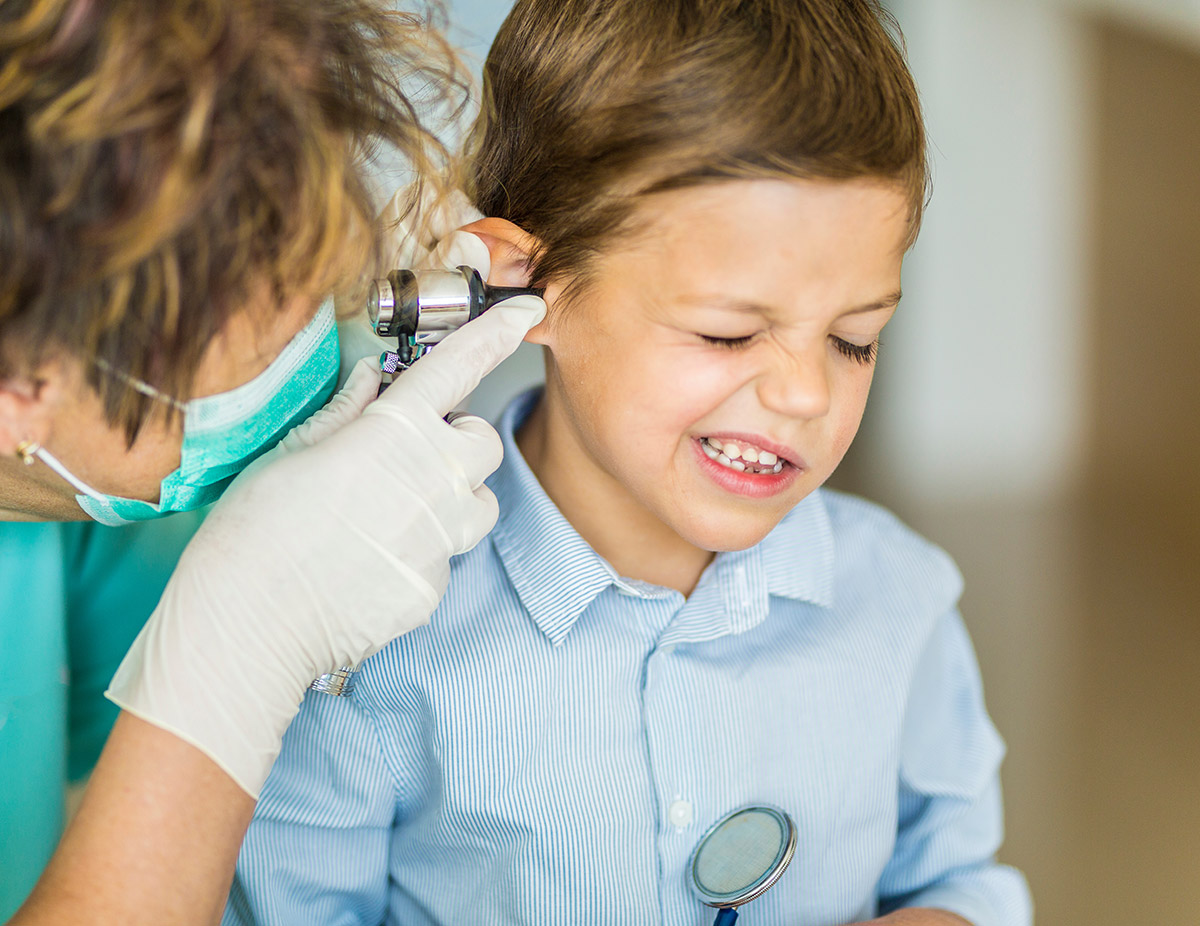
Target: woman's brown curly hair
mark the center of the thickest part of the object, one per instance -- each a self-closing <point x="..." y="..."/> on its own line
<point x="161" y="162"/>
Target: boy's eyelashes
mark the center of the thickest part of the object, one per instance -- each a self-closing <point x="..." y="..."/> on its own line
<point x="860" y="353"/>
<point x="727" y="342"/>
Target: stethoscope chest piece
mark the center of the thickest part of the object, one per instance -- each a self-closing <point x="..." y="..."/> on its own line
<point x="740" y="857"/>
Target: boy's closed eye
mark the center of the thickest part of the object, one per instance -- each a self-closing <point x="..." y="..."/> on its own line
<point x="742" y="341"/>
<point x="862" y="353"/>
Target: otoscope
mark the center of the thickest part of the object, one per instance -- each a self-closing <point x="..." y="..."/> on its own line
<point x="419" y="308"/>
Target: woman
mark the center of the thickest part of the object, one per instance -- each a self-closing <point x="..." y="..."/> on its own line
<point x="181" y="187"/>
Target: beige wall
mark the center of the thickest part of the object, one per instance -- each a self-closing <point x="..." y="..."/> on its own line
<point x="1146" y="298"/>
<point x="1140" y="760"/>
<point x="1085" y="607"/>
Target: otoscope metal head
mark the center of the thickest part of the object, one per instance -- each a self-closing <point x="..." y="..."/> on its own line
<point x="426" y="305"/>
<point x="393" y="306"/>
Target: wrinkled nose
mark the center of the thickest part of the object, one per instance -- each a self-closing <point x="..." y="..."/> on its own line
<point x="796" y="385"/>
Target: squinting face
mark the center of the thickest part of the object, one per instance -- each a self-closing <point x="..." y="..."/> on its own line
<point x="717" y="370"/>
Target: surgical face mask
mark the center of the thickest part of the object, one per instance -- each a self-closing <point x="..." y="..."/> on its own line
<point x="224" y="433"/>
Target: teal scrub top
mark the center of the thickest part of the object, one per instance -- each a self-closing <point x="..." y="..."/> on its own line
<point x="72" y="598"/>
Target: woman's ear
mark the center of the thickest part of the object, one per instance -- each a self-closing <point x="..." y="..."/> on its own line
<point x="24" y="411"/>
<point x="510" y="247"/>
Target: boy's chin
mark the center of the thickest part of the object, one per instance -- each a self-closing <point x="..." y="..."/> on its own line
<point x="725" y="537"/>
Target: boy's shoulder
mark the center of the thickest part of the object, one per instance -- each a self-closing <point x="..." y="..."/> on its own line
<point x="873" y="546"/>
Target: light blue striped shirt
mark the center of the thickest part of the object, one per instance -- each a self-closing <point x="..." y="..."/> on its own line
<point x="552" y="745"/>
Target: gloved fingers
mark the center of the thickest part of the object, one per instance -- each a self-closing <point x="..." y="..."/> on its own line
<point x="399" y="219"/>
<point x="450" y="372"/>
<point x="460" y="248"/>
<point x="348" y="404"/>
<point x="457" y="457"/>
<point x="479" y="448"/>
<point x="357" y="339"/>
<point x="414" y="225"/>
<point x="362" y="386"/>
<point x="477" y="516"/>
<point x="487" y="510"/>
<point x="447" y="212"/>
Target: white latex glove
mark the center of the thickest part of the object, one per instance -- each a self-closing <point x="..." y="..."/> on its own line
<point x="414" y="249"/>
<point x="329" y="546"/>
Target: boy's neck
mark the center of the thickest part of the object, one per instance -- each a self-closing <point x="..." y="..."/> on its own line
<point x="635" y="542"/>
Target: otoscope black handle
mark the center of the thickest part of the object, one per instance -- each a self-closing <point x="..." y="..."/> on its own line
<point x="500" y="293"/>
<point x="484" y="295"/>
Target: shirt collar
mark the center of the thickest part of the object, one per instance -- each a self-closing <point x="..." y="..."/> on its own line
<point x="554" y="571"/>
<point x="798" y="555"/>
<point x="557" y="574"/>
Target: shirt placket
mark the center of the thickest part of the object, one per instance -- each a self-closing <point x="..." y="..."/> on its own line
<point x="731" y="598"/>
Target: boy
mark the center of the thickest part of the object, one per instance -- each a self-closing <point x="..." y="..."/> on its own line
<point x="671" y="619"/>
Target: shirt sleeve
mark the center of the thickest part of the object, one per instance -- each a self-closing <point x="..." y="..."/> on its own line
<point x="950" y="812"/>
<point x="317" y="848"/>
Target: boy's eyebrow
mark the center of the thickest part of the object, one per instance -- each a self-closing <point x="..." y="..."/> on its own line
<point x="887" y="302"/>
<point x="753" y="308"/>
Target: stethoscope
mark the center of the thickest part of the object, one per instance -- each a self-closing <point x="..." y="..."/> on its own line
<point x="740" y="857"/>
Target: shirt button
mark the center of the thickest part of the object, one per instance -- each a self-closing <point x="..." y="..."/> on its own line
<point x="667" y="650"/>
<point x="680" y="813"/>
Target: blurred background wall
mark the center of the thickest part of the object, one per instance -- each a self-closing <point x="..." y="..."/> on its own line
<point x="1037" y="412"/>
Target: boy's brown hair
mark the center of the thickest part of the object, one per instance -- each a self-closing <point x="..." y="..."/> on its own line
<point x="591" y="104"/>
<point x="163" y="162"/>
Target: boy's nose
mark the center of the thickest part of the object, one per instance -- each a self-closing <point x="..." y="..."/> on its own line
<point x="796" y="385"/>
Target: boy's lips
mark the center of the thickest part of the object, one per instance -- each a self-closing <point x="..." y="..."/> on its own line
<point x="758" y="444"/>
<point x="764" y="479"/>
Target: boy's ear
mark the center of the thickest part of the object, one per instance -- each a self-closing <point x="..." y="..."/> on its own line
<point x="510" y="247"/>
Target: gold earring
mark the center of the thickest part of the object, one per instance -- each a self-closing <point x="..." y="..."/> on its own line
<point x="27" y="451"/>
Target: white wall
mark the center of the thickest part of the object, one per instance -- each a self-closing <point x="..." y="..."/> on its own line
<point x="980" y="390"/>
<point x="475" y="22"/>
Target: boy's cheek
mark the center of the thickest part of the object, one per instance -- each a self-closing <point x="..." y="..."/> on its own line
<point x="701" y="370"/>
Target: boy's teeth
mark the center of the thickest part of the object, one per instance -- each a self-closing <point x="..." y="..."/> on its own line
<point x="739" y="458"/>
<point x="737" y="451"/>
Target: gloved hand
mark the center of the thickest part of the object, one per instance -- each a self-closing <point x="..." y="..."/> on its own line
<point x="326" y="548"/>
<point x="414" y="248"/>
